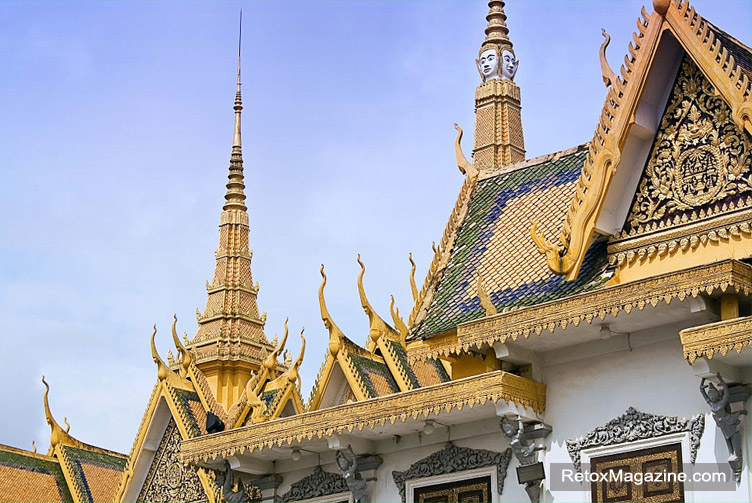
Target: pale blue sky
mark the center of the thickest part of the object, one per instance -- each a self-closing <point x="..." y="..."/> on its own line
<point x="114" y="144"/>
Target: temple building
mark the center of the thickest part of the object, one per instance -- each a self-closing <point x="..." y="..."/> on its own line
<point x="585" y="318"/>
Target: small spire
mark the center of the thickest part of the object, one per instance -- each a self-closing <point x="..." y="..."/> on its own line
<point x="235" y="197"/>
<point x="496" y="31"/>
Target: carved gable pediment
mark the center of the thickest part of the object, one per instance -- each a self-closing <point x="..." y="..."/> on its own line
<point x="168" y="479"/>
<point x="697" y="182"/>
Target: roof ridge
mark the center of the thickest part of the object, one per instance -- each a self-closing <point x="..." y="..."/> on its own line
<point x="728" y="35"/>
<point x="93" y="448"/>
<point x="23" y="452"/>
<point x="534" y="161"/>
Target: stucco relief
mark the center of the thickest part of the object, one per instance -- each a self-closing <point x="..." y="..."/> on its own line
<point x="635" y="425"/>
<point x="452" y="459"/>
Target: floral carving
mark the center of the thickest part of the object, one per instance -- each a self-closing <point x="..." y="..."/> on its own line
<point x="168" y="479"/>
<point x="317" y="484"/>
<point x="635" y="425"/>
<point x="700" y="156"/>
<point x="452" y="459"/>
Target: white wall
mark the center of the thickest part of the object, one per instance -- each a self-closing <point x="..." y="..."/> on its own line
<point x="583" y="394"/>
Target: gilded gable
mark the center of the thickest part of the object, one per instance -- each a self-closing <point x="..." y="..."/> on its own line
<point x="697" y="182"/>
<point x="168" y="480"/>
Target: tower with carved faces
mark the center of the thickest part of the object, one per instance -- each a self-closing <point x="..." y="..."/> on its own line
<point x="498" y="138"/>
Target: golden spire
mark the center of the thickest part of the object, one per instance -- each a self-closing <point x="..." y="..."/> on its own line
<point x="230" y="328"/>
<point x="378" y="326"/>
<point x="499" y="138"/>
<point x="496" y="31"/>
<point x="335" y="334"/>
<point x="235" y="197"/>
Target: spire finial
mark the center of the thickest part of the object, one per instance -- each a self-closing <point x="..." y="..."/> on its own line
<point x="497" y="31"/>
<point x="496" y="58"/>
<point x="235" y="197"/>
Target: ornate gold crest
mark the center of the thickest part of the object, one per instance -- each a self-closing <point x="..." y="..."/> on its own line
<point x="699" y="157"/>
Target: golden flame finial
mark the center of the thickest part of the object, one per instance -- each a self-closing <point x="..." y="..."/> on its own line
<point x="235" y="197"/>
<point x="58" y="434"/>
<point x="485" y="299"/>
<point x="413" y="286"/>
<point x="183" y="354"/>
<point x="292" y="372"/>
<point x="162" y="369"/>
<point x="399" y="323"/>
<point x="378" y="326"/>
<point x="270" y="362"/>
<point x="496" y="31"/>
<point x="335" y="334"/>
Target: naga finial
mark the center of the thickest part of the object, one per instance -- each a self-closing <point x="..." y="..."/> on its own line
<point x="335" y="334"/>
<point x="270" y="362"/>
<point x="485" y="299"/>
<point x="67" y="426"/>
<point x="378" y="326"/>
<point x="413" y="286"/>
<point x="399" y="323"/>
<point x="34" y="446"/>
<point x="466" y="168"/>
<point x="609" y="77"/>
<point x="162" y="369"/>
<point x="183" y="354"/>
<point x="293" y="371"/>
<point x="58" y="434"/>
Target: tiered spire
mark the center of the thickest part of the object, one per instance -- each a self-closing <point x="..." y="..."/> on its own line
<point x="498" y="122"/>
<point x="496" y="31"/>
<point x="235" y="197"/>
<point x="230" y="342"/>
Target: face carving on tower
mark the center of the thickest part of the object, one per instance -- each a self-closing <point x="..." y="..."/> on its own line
<point x="508" y="65"/>
<point x="488" y="64"/>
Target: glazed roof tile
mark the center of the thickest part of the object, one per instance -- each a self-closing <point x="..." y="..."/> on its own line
<point x="96" y="474"/>
<point x="421" y="373"/>
<point x="29" y="477"/>
<point x="495" y="240"/>
<point x="374" y="375"/>
<point x="192" y="411"/>
<point x="741" y="53"/>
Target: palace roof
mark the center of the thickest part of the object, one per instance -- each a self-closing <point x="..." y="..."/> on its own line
<point x="494" y="241"/>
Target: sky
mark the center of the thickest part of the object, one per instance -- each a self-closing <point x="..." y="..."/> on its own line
<point x="115" y="133"/>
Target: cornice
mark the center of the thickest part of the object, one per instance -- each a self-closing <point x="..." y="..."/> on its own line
<point x="490" y="387"/>
<point x="719" y="337"/>
<point x="589" y="306"/>
<point x="722" y="228"/>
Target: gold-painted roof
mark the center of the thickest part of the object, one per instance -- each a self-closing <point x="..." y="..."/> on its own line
<point x="29" y="477"/>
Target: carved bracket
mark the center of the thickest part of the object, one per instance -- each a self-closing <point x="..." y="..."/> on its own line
<point x="635" y="425"/>
<point x="452" y="459"/>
